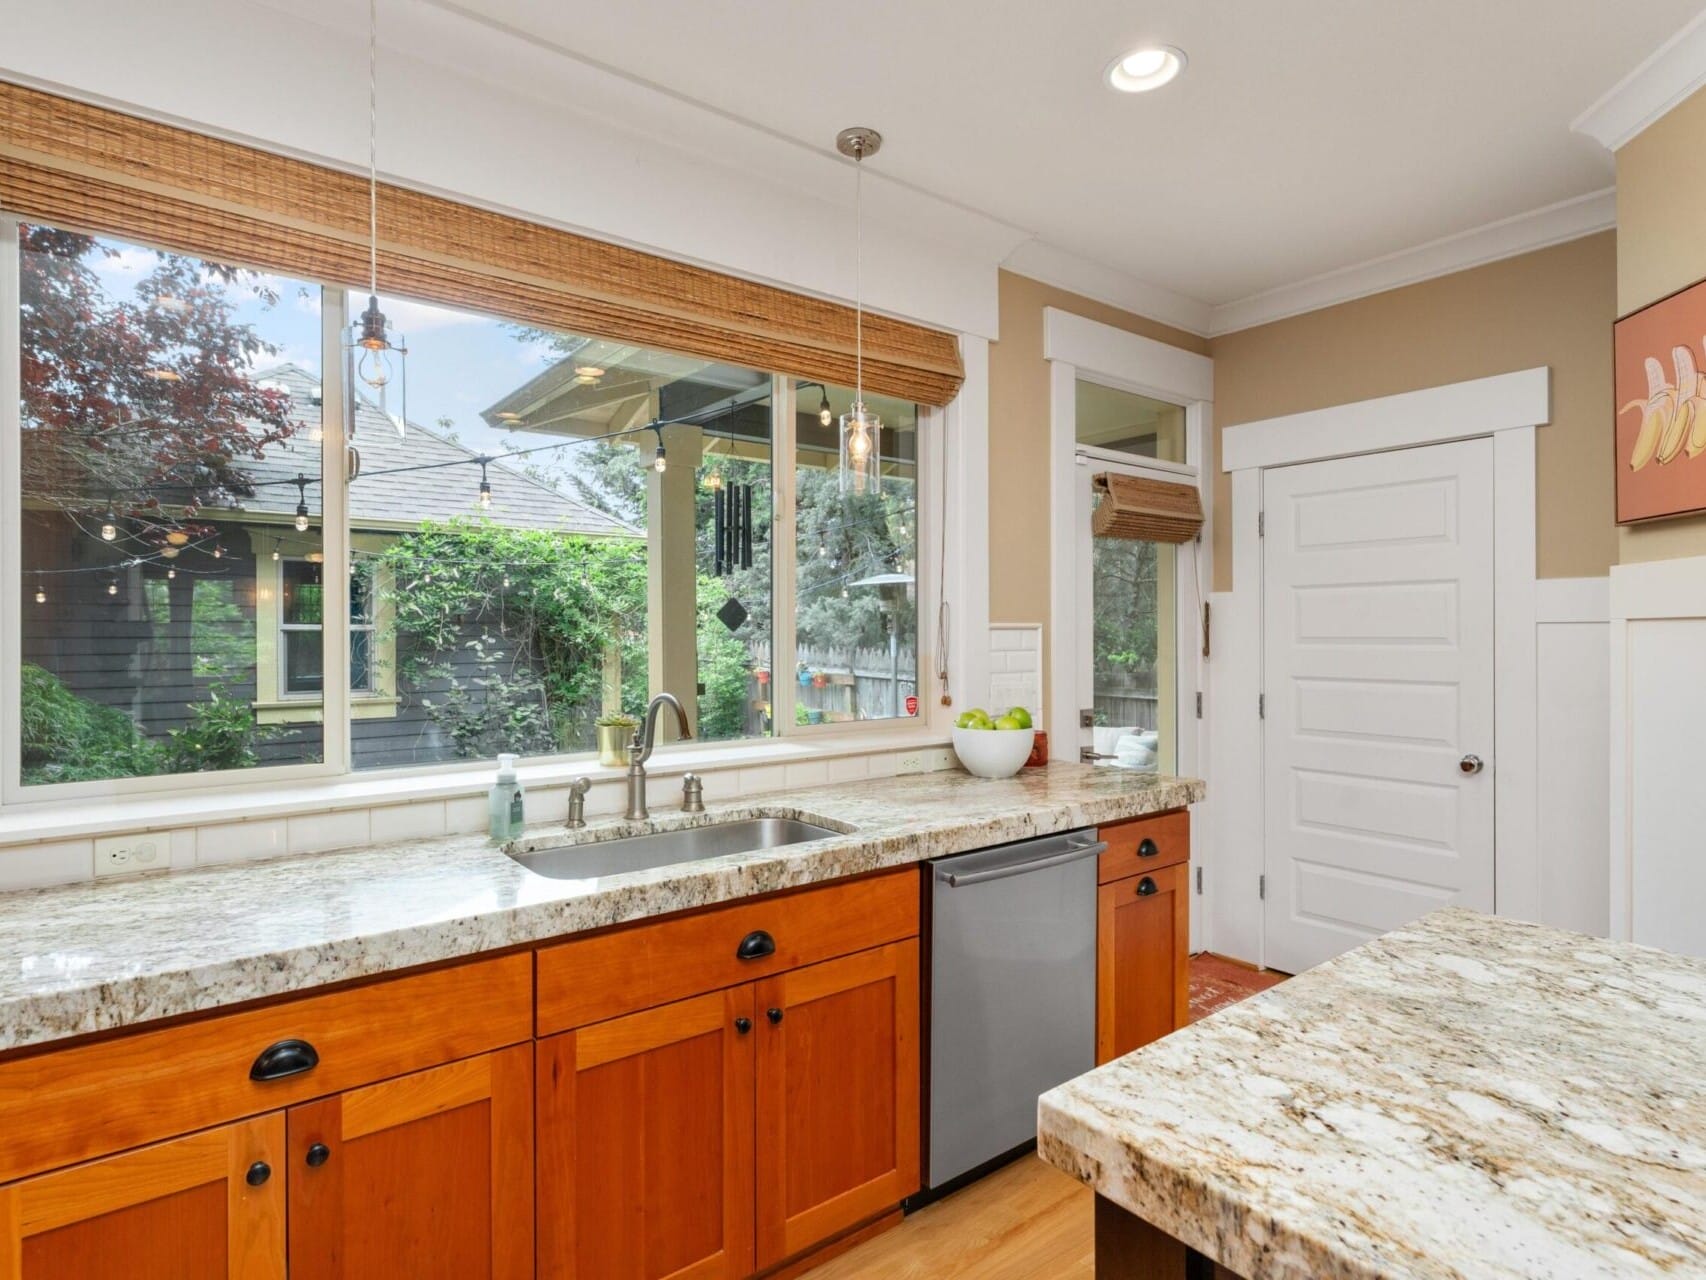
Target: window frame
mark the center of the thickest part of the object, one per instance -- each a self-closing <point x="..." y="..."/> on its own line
<point x="283" y="691"/>
<point x="337" y="707"/>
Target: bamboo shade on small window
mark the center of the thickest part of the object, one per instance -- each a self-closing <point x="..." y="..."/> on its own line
<point x="1145" y="510"/>
<point x="90" y="169"/>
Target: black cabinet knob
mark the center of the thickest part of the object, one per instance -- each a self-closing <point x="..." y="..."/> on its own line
<point x="1147" y="848"/>
<point x="258" y="1173"/>
<point x="1145" y="887"/>
<point x="774" y="1014"/>
<point x="755" y="946"/>
<point x="318" y="1154"/>
<point x="286" y="1058"/>
<point x="743" y="1025"/>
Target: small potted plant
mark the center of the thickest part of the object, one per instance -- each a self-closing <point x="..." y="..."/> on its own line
<point x="615" y="731"/>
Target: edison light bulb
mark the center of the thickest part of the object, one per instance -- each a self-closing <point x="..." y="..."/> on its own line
<point x="41" y="596"/>
<point x="373" y="368"/>
<point x="301" y="522"/>
<point x="112" y="588"/>
<point x="660" y="463"/>
<point x="109" y="528"/>
<point x="859" y="443"/>
<point x="485" y="495"/>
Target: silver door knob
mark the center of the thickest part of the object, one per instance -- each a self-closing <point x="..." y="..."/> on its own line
<point x="1471" y="764"/>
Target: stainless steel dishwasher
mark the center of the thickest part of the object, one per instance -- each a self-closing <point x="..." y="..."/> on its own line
<point x="1012" y="992"/>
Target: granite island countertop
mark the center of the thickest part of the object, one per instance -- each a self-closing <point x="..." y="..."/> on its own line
<point x="1465" y="1097"/>
<point x="95" y="957"/>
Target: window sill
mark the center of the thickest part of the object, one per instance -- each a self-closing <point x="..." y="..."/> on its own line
<point x="307" y="710"/>
<point x="49" y="820"/>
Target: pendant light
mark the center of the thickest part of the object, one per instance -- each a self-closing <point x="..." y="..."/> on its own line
<point x="861" y="430"/>
<point x="375" y="353"/>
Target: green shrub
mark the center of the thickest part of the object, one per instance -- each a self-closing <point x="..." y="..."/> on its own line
<point x="66" y="738"/>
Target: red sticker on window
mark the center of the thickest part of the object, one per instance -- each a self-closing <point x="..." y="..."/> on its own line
<point x="911" y="704"/>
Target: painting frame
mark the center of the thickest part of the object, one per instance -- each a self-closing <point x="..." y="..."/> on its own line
<point x="1659" y="408"/>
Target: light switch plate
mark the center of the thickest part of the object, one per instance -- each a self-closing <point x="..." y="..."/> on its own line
<point x="129" y="855"/>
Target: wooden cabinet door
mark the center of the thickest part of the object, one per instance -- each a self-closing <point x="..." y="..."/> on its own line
<point x="429" y="1175"/>
<point x="206" y="1207"/>
<point x="838" y="1124"/>
<point x="645" y="1144"/>
<point x="1142" y="959"/>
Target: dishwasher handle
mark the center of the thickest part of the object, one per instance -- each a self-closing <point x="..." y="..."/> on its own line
<point x="1073" y="854"/>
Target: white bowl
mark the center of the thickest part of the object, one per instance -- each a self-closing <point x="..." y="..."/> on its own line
<point x="994" y="753"/>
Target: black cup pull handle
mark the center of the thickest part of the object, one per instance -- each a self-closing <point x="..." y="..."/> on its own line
<point x="1145" y="887"/>
<point x="755" y="946"/>
<point x="1147" y="848"/>
<point x="318" y="1154"/>
<point x="743" y="1025"/>
<point x="286" y="1058"/>
<point x="258" y="1173"/>
<point x="774" y="1014"/>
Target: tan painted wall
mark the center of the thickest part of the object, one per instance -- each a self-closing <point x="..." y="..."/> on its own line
<point x="1018" y="443"/>
<point x="1551" y="307"/>
<point x="1661" y="193"/>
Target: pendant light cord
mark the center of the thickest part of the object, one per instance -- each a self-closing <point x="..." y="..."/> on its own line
<point x="858" y="276"/>
<point x="373" y="146"/>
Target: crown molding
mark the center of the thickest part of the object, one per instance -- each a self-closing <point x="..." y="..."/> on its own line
<point x="1538" y="229"/>
<point x="1038" y="260"/>
<point x="1668" y="76"/>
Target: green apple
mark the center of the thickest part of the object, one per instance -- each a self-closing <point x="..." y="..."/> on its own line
<point x="1021" y="715"/>
<point x="966" y="720"/>
<point x="1008" y="722"/>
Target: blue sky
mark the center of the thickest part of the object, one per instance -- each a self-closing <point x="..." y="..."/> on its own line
<point x="458" y="363"/>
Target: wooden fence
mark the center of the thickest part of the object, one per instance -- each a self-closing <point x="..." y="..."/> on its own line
<point x="845" y="684"/>
<point x="1127" y="700"/>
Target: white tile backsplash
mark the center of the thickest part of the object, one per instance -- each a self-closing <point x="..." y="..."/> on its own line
<point x="806" y="773"/>
<point x="848" y="769"/>
<point x="30" y="866"/>
<point x="766" y="777"/>
<point x="319" y="832"/>
<point x="408" y="821"/>
<point x="239" y="841"/>
<point x="466" y="813"/>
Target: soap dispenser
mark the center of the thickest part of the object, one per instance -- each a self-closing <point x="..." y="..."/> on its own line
<point x="506" y="808"/>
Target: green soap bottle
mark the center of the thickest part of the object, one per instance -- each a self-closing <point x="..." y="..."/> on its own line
<point x="506" y="808"/>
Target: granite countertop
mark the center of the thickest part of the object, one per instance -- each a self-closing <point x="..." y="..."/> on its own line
<point x="1466" y="1097"/>
<point x="93" y="957"/>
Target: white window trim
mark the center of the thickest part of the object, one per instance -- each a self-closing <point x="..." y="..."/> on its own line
<point x="287" y="628"/>
<point x="1507" y="407"/>
<point x="952" y="439"/>
<point x="1076" y="347"/>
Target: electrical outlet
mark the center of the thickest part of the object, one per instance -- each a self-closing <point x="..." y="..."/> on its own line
<point x="909" y="762"/>
<point x="129" y="855"/>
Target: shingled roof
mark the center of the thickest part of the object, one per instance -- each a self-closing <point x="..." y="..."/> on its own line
<point x="386" y="498"/>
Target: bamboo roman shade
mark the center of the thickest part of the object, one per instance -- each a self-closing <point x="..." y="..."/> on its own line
<point x="96" y="170"/>
<point x="1145" y="510"/>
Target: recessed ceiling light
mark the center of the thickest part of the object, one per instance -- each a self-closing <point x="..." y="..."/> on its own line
<point x="1144" y="69"/>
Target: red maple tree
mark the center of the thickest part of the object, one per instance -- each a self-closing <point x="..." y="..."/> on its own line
<point x="145" y="405"/>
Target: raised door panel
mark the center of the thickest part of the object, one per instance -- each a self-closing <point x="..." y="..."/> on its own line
<point x="206" y="1207"/>
<point x="838" y="1122"/>
<point x="1142" y="959"/>
<point x="645" y="1144"/>
<point x="428" y="1176"/>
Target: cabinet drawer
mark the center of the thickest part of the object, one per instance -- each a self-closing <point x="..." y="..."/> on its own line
<point x="59" y="1107"/>
<point x="604" y="976"/>
<point x="1168" y="837"/>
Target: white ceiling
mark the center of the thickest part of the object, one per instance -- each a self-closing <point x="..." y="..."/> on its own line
<point x="1306" y="136"/>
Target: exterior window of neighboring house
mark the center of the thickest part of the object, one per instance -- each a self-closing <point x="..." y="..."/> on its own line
<point x="301" y="624"/>
<point x="563" y="526"/>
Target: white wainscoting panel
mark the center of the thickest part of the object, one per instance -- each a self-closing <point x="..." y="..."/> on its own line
<point x="1657" y="879"/>
<point x="1573" y="752"/>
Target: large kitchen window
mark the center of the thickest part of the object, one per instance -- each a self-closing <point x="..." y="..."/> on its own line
<point x="549" y="529"/>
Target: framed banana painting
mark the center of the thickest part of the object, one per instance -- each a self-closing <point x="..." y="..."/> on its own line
<point x="1660" y="371"/>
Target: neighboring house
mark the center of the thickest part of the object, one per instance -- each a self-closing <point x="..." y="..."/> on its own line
<point x="247" y="620"/>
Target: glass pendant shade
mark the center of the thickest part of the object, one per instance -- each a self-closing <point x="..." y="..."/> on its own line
<point x="376" y="357"/>
<point x="861" y="450"/>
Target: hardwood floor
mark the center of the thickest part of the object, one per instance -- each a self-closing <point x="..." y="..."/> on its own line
<point x="1027" y="1221"/>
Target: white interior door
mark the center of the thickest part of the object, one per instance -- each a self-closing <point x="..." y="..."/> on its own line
<point x="1378" y="687"/>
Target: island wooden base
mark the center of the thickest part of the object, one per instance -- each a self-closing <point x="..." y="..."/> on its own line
<point x="1128" y="1248"/>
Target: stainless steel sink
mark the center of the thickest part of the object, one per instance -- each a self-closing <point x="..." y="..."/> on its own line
<point x="667" y="848"/>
